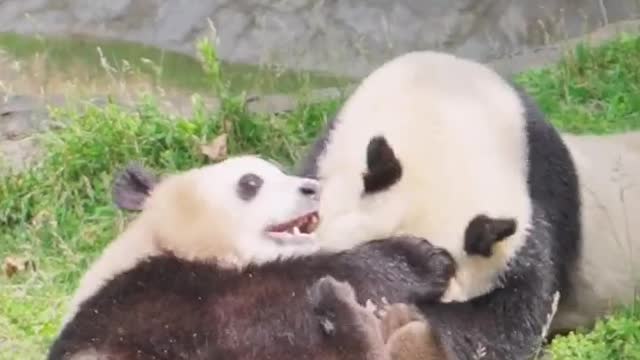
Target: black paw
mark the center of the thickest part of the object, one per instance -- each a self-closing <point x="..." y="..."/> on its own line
<point x="434" y="265"/>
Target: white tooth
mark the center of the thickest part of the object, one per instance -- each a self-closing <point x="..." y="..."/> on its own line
<point x="296" y="231"/>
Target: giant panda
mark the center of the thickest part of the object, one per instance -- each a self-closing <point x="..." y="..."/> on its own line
<point x="177" y="300"/>
<point x="594" y="185"/>
<point x="607" y="273"/>
<point x="441" y="147"/>
<point x="243" y="209"/>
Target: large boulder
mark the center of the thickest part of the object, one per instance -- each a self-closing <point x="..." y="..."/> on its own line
<point x="341" y="36"/>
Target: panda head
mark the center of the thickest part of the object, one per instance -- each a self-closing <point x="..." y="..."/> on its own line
<point x="380" y="196"/>
<point x="434" y="146"/>
<point x="242" y="208"/>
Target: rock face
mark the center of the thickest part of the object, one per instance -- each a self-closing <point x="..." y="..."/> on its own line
<point x="20" y="118"/>
<point x="341" y="36"/>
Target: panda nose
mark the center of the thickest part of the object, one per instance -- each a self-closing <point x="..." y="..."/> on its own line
<point x="309" y="188"/>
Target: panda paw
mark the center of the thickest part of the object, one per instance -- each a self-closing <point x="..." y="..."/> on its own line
<point x="338" y="312"/>
<point x="433" y="264"/>
<point x="395" y="316"/>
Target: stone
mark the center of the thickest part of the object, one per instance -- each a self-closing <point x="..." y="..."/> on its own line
<point x="345" y="37"/>
<point x="21" y="116"/>
<point x="18" y="155"/>
<point x="547" y="55"/>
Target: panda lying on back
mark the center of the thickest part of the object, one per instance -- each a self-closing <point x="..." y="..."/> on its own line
<point x="441" y="147"/>
<point x="394" y="332"/>
<point x="240" y="210"/>
<point x="163" y="292"/>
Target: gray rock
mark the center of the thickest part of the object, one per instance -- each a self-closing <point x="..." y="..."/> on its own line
<point x="341" y="36"/>
<point x="21" y="116"/>
<point x="550" y="54"/>
<point x="278" y="103"/>
<point x="18" y="155"/>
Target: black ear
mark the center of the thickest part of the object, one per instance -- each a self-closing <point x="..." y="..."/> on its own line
<point x="484" y="231"/>
<point x="132" y="186"/>
<point x="383" y="168"/>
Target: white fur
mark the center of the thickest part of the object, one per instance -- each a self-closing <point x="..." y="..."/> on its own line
<point x="197" y="214"/>
<point x="608" y="270"/>
<point x="458" y="130"/>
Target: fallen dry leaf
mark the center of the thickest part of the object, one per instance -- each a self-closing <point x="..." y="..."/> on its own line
<point x="217" y="149"/>
<point x="13" y="265"/>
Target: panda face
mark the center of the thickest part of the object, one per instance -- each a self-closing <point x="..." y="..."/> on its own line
<point x="267" y="211"/>
<point x="235" y="211"/>
<point x="241" y="209"/>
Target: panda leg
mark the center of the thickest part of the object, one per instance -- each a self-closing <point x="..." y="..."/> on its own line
<point x="408" y="335"/>
<point x="344" y="321"/>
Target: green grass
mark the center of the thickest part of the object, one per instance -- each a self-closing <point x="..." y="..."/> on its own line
<point x="594" y="90"/>
<point x="79" y="55"/>
<point x="60" y="213"/>
<point x="618" y="337"/>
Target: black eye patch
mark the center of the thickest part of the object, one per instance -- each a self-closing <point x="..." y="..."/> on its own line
<point x="248" y="186"/>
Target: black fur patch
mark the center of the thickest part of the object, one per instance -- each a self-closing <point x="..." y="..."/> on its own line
<point x="132" y="187"/>
<point x="167" y="308"/>
<point x="554" y="188"/>
<point x="248" y="186"/>
<point x="383" y="168"/>
<point x="483" y="231"/>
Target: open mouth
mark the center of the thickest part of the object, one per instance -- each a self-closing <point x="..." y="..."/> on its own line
<point x="300" y="228"/>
